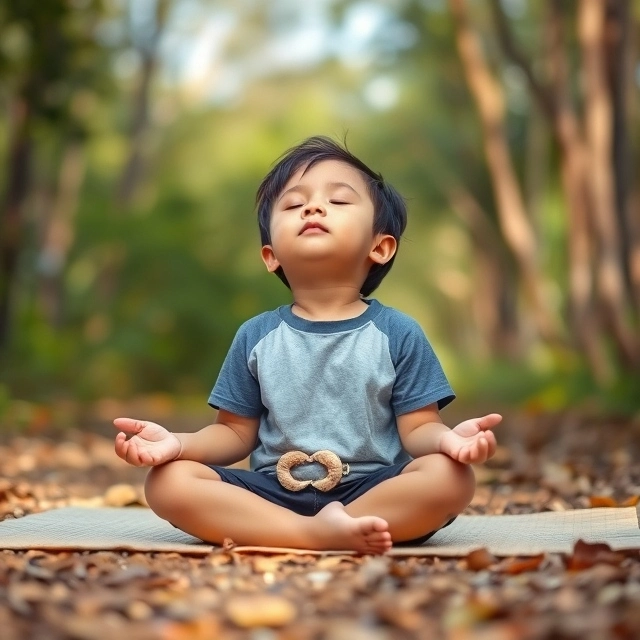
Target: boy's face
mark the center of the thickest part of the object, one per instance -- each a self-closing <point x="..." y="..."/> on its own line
<point x="322" y="223"/>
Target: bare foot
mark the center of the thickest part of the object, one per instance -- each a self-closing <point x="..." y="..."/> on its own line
<point x="334" y="528"/>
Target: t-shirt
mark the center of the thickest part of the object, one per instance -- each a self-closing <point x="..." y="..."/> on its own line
<point x="336" y="385"/>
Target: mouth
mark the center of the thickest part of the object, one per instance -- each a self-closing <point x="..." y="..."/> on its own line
<point x="313" y="227"/>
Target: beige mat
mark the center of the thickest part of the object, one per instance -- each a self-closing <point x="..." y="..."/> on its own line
<point x="139" y="529"/>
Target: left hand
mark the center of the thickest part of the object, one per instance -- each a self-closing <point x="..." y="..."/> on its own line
<point x="472" y="441"/>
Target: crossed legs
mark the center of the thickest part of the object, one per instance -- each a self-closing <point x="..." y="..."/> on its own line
<point x="428" y="493"/>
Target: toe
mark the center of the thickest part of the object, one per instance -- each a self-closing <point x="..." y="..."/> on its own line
<point x="380" y="537"/>
<point x="378" y="548"/>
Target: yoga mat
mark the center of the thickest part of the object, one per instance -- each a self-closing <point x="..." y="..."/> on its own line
<point x="139" y="529"/>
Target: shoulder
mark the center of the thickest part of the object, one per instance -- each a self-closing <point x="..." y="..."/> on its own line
<point x="252" y="331"/>
<point x="396" y="324"/>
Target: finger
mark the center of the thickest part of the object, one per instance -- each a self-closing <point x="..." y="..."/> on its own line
<point x="146" y="459"/>
<point x="129" y="425"/>
<point x="489" y="421"/>
<point x="134" y="458"/>
<point x="133" y="453"/>
<point x="490" y="437"/>
<point x="474" y="452"/>
<point x="464" y="455"/>
<point x="492" y="444"/>
<point x="121" y="445"/>
<point x="483" y="449"/>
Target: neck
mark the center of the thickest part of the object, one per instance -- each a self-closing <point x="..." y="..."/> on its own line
<point x="328" y="303"/>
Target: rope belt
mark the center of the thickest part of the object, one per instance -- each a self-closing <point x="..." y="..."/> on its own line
<point x="332" y="463"/>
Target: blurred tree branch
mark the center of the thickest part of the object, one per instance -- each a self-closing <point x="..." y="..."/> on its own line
<point x="148" y="51"/>
<point x="587" y="176"/>
<point x="18" y="171"/>
<point x="514" y="221"/>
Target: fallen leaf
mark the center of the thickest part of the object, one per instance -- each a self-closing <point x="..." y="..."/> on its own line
<point x="406" y="619"/>
<point x="267" y="564"/>
<point x="259" y="610"/>
<point x="120" y="495"/>
<point x="204" y="628"/>
<point x="479" y="559"/>
<point x="602" y="501"/>
<point x="514" y="566"/>
<point x="586" y="555"/>
<point x="469" y="613"/>
<point x="609" y="501"/>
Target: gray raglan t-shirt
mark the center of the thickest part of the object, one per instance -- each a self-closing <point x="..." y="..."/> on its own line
<point x="336" y="385"/>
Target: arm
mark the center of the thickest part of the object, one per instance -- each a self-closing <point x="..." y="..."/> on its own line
<point x="422" y="433"/>
<point x="230" y="439"/>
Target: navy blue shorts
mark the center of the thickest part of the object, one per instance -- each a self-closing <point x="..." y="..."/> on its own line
<point x="310" y="500"/>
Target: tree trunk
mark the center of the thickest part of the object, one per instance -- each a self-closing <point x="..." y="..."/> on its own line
<point x="514" y="223"/>
<point x="555" y="103"/>
<point x="621" y="70"/>
<point x="18" y="173"/>
<point x="498" y="329"/>
<point x="59" y="233"/>
<point x="598" y="129"/>
<point x="573" y="163"/>
<point x="133" y="167"/>
<point x="617" y="54"/>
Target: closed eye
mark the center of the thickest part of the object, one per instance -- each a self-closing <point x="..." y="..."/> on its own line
<point x="292" y="206"/>
<point x="338" y="202"/>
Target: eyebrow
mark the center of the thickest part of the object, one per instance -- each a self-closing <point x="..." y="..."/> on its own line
<point x="331" y="185"/>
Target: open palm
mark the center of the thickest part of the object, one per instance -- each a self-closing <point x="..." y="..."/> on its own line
<point x="150" y="444"/>
<point x="472" y="441"/>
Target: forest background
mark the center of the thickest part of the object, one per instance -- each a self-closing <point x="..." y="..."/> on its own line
<point x="133" y="136"/>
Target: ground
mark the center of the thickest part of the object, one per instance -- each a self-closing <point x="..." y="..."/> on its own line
<point x="545" y="462"/>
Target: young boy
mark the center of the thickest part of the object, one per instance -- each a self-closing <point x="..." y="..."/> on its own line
<point x="336" y="396"/>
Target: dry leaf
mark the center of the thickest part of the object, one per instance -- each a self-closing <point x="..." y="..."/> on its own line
<point x="469" y="613"/>
<point x="204" y="628"/>
<point x="586" y="555"/>
<point x="407" y="619"/>
<point x="609" y="501"/>
<point x="602" y="501"/>
<point x="120" y="495"/>
<point x="267" y="564"/>
<point x="259" y="610"/>
<point x="479" y="559"/>
<point x="591" y="592"/>
<point x="515" y="566"/>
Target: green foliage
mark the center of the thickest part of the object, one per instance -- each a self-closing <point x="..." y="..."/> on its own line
<point x="154" y="289"/>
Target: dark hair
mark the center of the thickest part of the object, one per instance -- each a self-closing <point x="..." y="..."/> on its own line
<point x="390" y="212"/>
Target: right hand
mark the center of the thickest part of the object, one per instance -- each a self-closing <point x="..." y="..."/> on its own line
<point x="472" y="441"/>
<point x="149" y="444"/>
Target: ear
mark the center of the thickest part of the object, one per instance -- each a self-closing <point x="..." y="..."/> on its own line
<point x="384" y="249"/>
<point x="269" y="258"/>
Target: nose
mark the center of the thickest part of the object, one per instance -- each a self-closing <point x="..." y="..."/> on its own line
<point x="314" y="206"/>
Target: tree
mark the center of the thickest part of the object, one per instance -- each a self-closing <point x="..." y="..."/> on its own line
<point x="601" y="302"/>
<point x="52" y="56"/>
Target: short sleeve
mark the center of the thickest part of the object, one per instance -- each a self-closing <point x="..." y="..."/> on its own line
<point x="236" y="389"/>
<point x="420" y="379"/>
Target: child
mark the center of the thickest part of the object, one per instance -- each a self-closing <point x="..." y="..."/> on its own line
<point x="336" y="396"/>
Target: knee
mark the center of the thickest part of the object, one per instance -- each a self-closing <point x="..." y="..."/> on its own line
<point x="160" y="485"/>
<point x="167" y="487"/>
<point x="460" y="483"/>
<point x="455" y="481"/>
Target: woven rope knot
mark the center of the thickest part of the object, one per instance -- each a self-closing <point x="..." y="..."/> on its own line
<point x="329" y="460"/>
